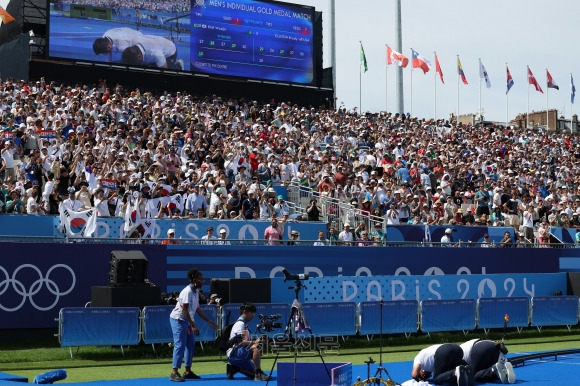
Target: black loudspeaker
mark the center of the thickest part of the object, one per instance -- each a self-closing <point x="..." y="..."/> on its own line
<point x="573" y="283"/>
<point x="250" y="290"/>
<point x="220" y="287"/>
<point x="128" y="268"/>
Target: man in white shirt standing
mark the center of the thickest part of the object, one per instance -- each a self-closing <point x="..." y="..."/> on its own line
<point x="8" y="157"/>
<point x="101" y="203"/>
<point x="528" y="223"/>
<point x="345" y="237"/>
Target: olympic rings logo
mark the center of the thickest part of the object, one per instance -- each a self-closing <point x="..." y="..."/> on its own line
<point x="36" y="286"/>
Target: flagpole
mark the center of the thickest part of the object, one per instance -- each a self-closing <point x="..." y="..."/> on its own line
<point x="458" y="76"/>
<point x="547" y="111"/>
<point x="435" y="89"/>
<point x="387" y="83"/>
<point x="360" y="82"/>
<point x="480" y="118"/>
<point x="506" y="99"/>
<point x="571" y="113"/>
<point x="411" y="83"/>
<point x="528" y="111"/>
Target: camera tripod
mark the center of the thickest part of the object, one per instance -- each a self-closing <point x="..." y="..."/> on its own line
<point x="378" y="379"/>
<point x="297" y="319"/>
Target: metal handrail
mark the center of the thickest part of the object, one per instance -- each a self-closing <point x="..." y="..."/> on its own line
<point x="261" y="242"/>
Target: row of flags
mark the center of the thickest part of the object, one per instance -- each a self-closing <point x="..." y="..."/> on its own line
<point x="419" y="61"/>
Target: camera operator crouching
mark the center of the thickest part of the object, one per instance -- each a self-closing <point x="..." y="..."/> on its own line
<point x="245" y="355"/>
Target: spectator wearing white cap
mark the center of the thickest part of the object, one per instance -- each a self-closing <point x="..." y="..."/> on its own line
<point x="447" y="239"/>
<point x="170" y="237"/>
<point x="345" y="237"/>
<point x="8" y="172"/>
<point x="222" y="240"/>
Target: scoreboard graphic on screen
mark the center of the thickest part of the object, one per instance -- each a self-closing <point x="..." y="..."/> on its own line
<point x="253" y="39"/>
<point x="264" y="39"/>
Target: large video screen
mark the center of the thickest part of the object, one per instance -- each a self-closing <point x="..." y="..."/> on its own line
<point x="241" y="38"/>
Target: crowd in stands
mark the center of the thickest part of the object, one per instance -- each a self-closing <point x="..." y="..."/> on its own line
<point x="225" y="155"/>
<point x="155" y="6"/>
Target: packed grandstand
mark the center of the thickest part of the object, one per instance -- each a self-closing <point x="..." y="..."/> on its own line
<point x="224" y="156"/>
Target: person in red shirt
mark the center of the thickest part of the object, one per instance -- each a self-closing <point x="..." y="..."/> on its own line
<point x="254" y="159"/>
<point x="170" y="237"/>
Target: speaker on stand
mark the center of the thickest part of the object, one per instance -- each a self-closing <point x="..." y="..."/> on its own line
<point x="127" y="283"/>
<point x="128" y="268"/>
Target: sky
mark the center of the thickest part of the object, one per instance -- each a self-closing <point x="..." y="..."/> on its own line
<point x="541" y="34"/>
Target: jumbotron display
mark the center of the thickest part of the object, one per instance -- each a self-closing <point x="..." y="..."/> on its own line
<point x="241" y="38"/>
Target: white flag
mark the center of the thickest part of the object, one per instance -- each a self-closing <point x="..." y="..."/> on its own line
<point x="483" y="74"/>
<point x="78" y="224"/>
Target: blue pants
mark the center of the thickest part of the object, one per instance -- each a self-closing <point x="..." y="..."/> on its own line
<point x="241" y="357"/>
<point x="183" y="343"/>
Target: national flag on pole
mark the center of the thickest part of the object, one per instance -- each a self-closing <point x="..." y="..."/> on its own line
<point x="363" y="58"/>
<point x="460" y="71"/>
<point x="394" y="57"/>
<point x="572" y="89"/>
<point x="438" y="69"/>
<point x="132" y="216"/>
<point x="483" y="74"/>
<point x="551" y="83"/>
<point x="510" y="81"/>
<point x="420" y="62"/>
<point x="532" y="80"/>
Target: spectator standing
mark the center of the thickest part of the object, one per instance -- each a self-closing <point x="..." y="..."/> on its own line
<point x="345" y="237"/>
<point x="273" y="234"/>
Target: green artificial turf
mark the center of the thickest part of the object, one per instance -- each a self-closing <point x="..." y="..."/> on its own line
<point x="30" y="358"/>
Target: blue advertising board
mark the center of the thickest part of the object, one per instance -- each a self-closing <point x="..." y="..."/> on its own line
<point x="374" y="288"/>
<point x="112" y="227"/>
<point x="38" y="279"/>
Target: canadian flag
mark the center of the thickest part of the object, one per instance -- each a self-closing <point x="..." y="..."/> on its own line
<point x="393" y="57"/>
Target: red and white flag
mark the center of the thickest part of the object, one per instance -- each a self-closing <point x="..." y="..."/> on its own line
<point x="421" y="62"/>
<point x="394" y="57"/>
<point x="438" y="69"/>
<point x="532" y="80"/>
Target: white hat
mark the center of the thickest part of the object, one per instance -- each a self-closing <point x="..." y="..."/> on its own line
<point x="223" y="230"/>
<point x="448" y="231"/>
<point x="170" y="231"/>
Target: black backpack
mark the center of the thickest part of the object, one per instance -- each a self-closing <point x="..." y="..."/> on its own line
<point x="224" y="341"/>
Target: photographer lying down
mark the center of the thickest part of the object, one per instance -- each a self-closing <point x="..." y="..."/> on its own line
<point x="245" y="354"/>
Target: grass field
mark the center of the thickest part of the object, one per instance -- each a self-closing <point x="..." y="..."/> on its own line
<point x="29" y="358"/>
